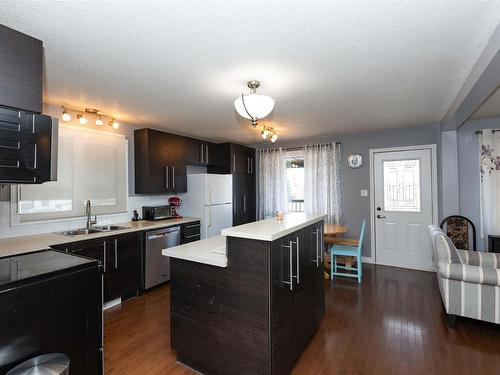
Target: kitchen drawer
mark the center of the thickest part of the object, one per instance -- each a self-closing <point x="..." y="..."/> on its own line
<point x="190" y="232"/>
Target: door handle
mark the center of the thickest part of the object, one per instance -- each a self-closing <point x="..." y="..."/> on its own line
<point x="290" y="252"/>
<point x="298" y="262"/>
<point x="116" y="253"/>
<point x="201" y="153"/>
<point x="166" y="177"/>
<point x="206" y="154"/>
<point x="380" y="217"/>
<point x="104" y="255"/>
<point x="173" y="177"/>
<point x="317" y="248"/>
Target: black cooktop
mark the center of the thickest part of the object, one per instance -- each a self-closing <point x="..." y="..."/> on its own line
<point x="19" y="268"/>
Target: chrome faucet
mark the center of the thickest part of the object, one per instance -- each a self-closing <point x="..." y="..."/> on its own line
<point x="88" y="212"/>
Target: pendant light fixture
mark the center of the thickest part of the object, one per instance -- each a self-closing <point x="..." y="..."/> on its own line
<point x="254" y="106"/>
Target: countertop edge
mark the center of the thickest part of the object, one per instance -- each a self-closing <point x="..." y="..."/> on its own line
<point x="230" y="232"/>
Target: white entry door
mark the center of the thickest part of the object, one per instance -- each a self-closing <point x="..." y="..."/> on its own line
<point x="403" y="202"/>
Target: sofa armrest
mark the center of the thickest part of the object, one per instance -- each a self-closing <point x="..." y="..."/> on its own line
<point x="479" y="258"/>
<point x="470" y="274"/>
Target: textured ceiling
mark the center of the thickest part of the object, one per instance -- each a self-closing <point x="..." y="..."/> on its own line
<point x="332" y="67"/>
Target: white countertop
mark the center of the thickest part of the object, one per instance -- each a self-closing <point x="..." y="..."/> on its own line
<point x="271" y="229"/>
<point x="210" y="251"/>
<point x="26" y="244"/>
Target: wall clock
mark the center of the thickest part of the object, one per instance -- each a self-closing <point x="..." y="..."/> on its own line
<point x="354" y="160"/>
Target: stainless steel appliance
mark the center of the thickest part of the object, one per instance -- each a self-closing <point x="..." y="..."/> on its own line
<point x="157" y="265"/>
<point x="158" y="212"/>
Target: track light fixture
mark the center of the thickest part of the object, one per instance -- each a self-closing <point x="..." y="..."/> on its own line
<point x="269" y="133"/>
<point x="82" y="115"/>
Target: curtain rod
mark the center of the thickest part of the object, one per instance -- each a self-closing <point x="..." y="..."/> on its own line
<point x="481" y="132"/>
<point x="302" y="147"/>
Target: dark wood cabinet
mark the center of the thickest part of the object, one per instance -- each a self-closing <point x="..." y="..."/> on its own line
<point x="160" y="162"/>
<point x="257" y="315"/>
<point x="28" y="147"/>
<point x="20" y="70"/>
<point x="120" y="257"/>
<point x="58" y="312"/>
<point x="123" y="278"/>
<point x="190" y="232"/>
<point x="240" y="162"/>
<point x="202" y="153"/>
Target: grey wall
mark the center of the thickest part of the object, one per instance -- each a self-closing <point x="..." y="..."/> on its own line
<point x="449" y="173"/>
<point x="357" y="208"/>
<point x="468" y="169"/>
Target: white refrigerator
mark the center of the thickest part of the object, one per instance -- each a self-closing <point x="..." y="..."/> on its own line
<point x="209" y="197"/>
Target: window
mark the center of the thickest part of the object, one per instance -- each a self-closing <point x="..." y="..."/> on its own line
<point x="295" y="181"/>
<point x="402" y="185"/>
<point x="91" y="165"/>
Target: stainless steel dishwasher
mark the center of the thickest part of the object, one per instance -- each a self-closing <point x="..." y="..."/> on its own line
<point x="157" y="265"/>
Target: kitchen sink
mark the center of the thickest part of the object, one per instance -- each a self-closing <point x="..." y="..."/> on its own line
<point x="97" y="229"/>
<point x="107" y="228"/>
<point x="78" y="232"/>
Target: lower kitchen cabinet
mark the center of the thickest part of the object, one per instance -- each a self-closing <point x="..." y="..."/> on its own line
<point x="123" y="273"/>
<point x="121" y="258"/>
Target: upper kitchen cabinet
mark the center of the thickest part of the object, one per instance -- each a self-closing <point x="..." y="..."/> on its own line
<point x="28" y="147"/>
<point x="202" y="153"/>
<point x="20" y="70"/>
<point x="160" y="162"/>
<point x="235" y="158"/>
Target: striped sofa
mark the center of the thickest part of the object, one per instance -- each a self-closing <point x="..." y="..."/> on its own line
<point x="469" y="281"/>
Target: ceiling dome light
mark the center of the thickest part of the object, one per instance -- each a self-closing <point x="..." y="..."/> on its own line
<point x="65" y="115"/>
<point x="254" y="106"/>
<point x="82" y="119"/>
<point x="98" y="120"/>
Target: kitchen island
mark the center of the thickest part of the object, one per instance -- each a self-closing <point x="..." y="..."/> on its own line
<point x="256" y="312"/>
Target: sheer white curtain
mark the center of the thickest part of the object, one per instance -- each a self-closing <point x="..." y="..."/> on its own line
<point x="322" y="181"/>
<point x="272" y="182"/>
<point x="489" y="143"/>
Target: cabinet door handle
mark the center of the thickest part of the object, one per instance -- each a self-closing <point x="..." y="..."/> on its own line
<point x="290" y="252"/>
<point x="298" y="259"/>
<point x="244" y="203"/>
<point x="248" y="165"/>
<point x="206" y="154"/>
<point x="192" y="226"/>
<point x="116" y="253"/>
<point x="251" y="165"/>
<point x="317" y="248"/>
<point x="173" y="177"/>
<point x="193" y="235"/>
<point x="201" y="153"/>
<point x="166" y="177"/>
<point x="234" y="204"/>
<point x="322" y="243"/>
<point x="104" y="255"/>
<point x="234" y="163"/>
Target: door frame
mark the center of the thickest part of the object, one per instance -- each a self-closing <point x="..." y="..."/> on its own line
<point x="434" y="188"/>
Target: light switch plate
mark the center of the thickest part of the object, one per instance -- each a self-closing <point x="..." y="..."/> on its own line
<point x="364" y="193"/>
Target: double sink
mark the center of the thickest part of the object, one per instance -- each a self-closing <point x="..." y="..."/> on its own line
<point x="96" y="229"/>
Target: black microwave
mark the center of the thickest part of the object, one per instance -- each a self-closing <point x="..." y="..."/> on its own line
<point x="158" y="212"/>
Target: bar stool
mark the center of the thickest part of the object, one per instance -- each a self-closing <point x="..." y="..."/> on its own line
<point x="46" y="364"/>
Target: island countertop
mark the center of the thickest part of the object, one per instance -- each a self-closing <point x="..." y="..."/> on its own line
<point x="271" y="229"/>
<point x="210" y="251"/>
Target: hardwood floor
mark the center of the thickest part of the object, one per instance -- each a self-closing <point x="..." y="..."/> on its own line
<point x="390" y="324"/>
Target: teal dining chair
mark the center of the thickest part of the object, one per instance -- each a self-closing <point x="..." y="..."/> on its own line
<point x="345" y="250"/>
